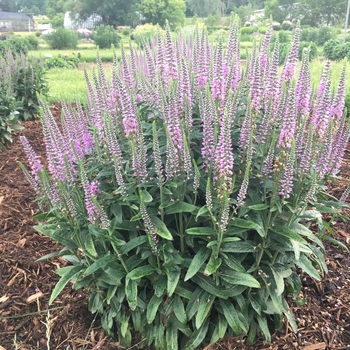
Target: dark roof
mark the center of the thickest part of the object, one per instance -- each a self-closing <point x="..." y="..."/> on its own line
<point x="13" y="15"/>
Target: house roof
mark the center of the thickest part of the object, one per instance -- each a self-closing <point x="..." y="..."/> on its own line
<point x="14" y="16"/>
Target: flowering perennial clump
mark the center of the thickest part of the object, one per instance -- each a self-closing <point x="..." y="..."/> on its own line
<point x="187" y="184"/>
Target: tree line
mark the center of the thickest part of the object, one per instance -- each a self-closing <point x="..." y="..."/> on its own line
<point x="131" y="12"/>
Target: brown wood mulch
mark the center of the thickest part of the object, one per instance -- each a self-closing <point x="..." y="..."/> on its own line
<point x="25" y="286"/>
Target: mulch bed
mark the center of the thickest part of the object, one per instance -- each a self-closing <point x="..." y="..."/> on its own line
<point x="25" y="286"/>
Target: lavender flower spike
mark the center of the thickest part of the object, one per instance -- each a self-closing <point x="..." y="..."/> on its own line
<point x="33" y="159"/>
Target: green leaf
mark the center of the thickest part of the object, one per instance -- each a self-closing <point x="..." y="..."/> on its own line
<point x="193" y="303"/>
<point x="220" y="329"/>
<point x="162" y="230"/>
<point x="203" y="211"/>
<point x="239" y="278"/>
<point x="159" y="285"/>
<point x="173" y="280"/>
<point x="213" y="264"/>
<point x="131" y="294"/>
<point x="197" y="262"/>
<point x="307" y="267"/>
<point x="171" y="337"/>
<point x="152" y="308"/>
<point x="249" y="225"/>
<point x="197" y="337"/>
<point x="124" y="325"/>
<point x="204" y="308"/>
<point x="180" y="207"/>
<point x="259" y="206"/>
<point x="231" y="316"/>
<point x="201" y="231"/>
<point x="70" y="273"/>
<point x="209" y="286"/>
<point x="99" y="264"/>
<point x="135" y="242"/>
<point x="146" y="197"/>
<point x="239" y="247"/>
<point x="140" y="272"/>
<point x="179" y="310"/>
<point x="288" y="233"/>
<point x="89" y="247"/>
<point x="234" y="264"/>
<point x="53" y="255"/>
<point x="264" y="327"/>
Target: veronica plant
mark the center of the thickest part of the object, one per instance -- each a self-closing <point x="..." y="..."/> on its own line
<point x="184" y="193"/>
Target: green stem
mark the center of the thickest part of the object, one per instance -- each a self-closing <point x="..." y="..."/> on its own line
<point x="181" y="233"/>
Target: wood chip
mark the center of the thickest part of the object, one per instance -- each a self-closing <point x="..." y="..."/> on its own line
<point x="318" y="346"/>
<point x="21" y="242"/>
<point x="1" y="348"/>
<point x="34" y="297"/>
<point x="3" y="299"/>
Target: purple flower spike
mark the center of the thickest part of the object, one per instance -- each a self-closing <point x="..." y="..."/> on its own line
<point x="33" y="159"/>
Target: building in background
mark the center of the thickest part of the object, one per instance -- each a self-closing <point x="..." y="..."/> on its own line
<point x="16" y="22"/>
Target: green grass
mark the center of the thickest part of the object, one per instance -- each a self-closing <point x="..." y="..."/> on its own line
<point x="68" y="84"/>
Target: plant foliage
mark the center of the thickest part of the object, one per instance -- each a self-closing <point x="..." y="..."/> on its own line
<point x="183" y="196"/>
<point x="106" y="36"/>
<point x="62" y="38"/>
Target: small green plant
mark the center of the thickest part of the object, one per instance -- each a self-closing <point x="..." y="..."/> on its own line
<point x="324" y="34"/>
<point x="335" y="50"/>
<point x="247" y="30"/>
<point x="62" y="38"/>
<point x="146" y="33"/>
<point x="313" y="53"/>
<point x="105" y="37"/>
<point x="62" y="61"/>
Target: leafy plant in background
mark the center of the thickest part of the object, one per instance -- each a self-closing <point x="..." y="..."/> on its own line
<point x="62" y="38"/>
<point x="147" y="33"/>
<point x="334" y="50"/>
<point x="60" y="61"/>
<point x="313" y="53"/>
<point x="106" y="36"/>
<point x="184" y="195"/>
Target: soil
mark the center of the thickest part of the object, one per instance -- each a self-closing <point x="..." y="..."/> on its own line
<point x="28" y="322"/>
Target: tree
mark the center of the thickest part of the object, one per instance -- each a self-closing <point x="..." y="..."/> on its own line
<point x="8" y="5"/>
<point x="112" y="12"/>
<point x="35" y="6"/>
<point x="322" y="12"/>
<point x="205" y="8"/>
<point x="280" y="10"/>
<point x="158" y="11"/>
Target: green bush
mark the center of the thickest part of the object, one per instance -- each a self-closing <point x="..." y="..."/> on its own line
<point x="283" y="37"/>
<point x="15" y="44"/>
<point x="335" y="50"/>
<point x="32" y="42"/>
<point x="309" y="34"/>
<point x="325" y="34"/>
<point x="247" y="30"/>
<point x="212" y="20"/>
<point x="147" y="32"/>
<point x="61" y="39"/>
<point x="60" y="61"/>
<point x="262" y="29"/>
<point x="106" y="36"/>
<point x="185" y="213"/>
<point x="312" y="50"/>
<point x="246" y="37"/>
<point x="284" y="50"/>
<point x="287" y="25"/>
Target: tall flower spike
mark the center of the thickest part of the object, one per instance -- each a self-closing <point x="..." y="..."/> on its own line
<point x="303" y="86"/>
<point x="217" y="86"/>
<point x="223" y="170"/>
<point x="34" y="162"/>
<point x="338" y="102"/>
<point x="264" y="49"/>
<point x="292" y="58"/>
<point x="169" y="54"/>
<point x="272" y="86"/>
<point x="288" y="174"/>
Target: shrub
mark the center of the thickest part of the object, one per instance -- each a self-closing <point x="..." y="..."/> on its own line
<point x="60" y="61"/>
<point x="276" y="26"/>
<point x="106" y="36"/>
<point x="262" y="29"/>
<point x="246" y="37"/>
<point x="61" y="39"/>
<point x="334" y="50"/>
<point x="247" y="30"/>
<point x="15" y="44"/>
<point x="32" y="42"/>
<point x="147" y="33"/>
<point x="184" y="206"/>
<point x="283" y="37"/>
<point x="212" y="20"/>
<point x="309" y="34"/>
<point x="312" y="50"/>
<point x="287" y="25"/>
<point x="21" y="81"/>
<point x="324" y="34"/>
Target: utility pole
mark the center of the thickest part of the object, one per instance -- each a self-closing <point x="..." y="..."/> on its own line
<point x="346" y="21"/>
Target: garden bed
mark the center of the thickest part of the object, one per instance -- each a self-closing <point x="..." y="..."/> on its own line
<point x="25" y="286"/>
